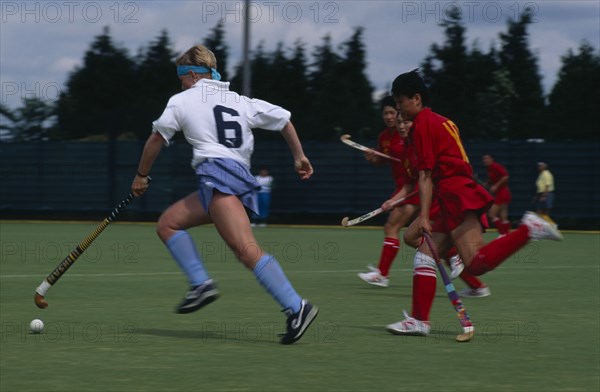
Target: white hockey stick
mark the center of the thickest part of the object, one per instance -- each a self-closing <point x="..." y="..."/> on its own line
<point x="346" y="140"/>
<point x="346" y="222"/>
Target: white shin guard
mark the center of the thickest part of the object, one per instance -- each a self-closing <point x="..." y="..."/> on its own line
<point x="424" y="265"/>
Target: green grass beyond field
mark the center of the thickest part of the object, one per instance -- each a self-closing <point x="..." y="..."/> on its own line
<point x="110" y="325"/>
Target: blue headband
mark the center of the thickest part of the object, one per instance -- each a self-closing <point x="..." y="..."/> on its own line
<point x="184" y="69"/>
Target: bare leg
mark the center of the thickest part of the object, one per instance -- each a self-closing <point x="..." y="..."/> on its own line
<point x="468" y="237"/>
<point x="229" y="216"/>
<point x="232" y="223"/>
<point x="183" y="214"/>
<point x="412" y="235"/>
<point x="503" y="213"/>
<point x="398" y="218"/>
<point x="498" y="214"/>
<point x="494" y="211"/>
<point x="442" y="241"/>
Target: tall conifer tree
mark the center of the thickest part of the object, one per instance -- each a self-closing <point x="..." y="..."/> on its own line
<point x="573" y="107"/>
<point x="99" y="93"/>
<point x="525" y="114"/>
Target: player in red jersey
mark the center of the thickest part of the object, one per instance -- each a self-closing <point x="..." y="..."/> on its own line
<point x="424" y="276"/>
<point x="443" y="162"/>
<point x="497" y="184"/>
<point x="392" y="142"/>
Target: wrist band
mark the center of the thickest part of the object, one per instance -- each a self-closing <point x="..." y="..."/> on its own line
<point x="142" y="175"/>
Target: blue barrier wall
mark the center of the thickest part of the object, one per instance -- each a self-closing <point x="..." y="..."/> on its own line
<point x="91" y="176"/>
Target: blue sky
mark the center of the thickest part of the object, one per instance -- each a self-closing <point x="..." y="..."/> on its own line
<point x="42" y="41"/>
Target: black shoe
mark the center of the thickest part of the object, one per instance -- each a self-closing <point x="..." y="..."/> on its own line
<point x="298" y="323"/>
<point x="198" y="297"/>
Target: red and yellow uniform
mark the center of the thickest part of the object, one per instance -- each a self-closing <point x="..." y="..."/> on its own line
<point x="440" y="150"/>
<point x="391" y="143"/>
<point x="495" y="172"/>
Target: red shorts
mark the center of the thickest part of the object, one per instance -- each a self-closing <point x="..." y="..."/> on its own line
<point x="456" y="197"/>
<point x="434" y="210"/>
<point x="502" y="196"/>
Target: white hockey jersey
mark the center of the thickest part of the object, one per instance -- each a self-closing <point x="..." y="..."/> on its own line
<point x="218" y="122"/>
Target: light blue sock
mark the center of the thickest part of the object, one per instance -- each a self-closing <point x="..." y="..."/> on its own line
<point x="182" y="248"/>
<point x="270" y="275"/>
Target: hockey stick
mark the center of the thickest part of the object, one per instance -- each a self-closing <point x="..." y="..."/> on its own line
<point x="346" y="222"/>
<point x="64" y="265"/>
<point x="346" y="140"/>
<point x="461" y="312"/>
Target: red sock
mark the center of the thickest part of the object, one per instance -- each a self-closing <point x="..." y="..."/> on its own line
<point x="471" y="281"/>
<point x="388" y="254"/>
<point x="423" y="293"/>
<point x="500" y="226"/>
<point x="506" y="226"/>
<point x="494" y="253"/>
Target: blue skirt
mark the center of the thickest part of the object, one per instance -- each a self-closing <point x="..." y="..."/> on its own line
<point x="227" y="176"/>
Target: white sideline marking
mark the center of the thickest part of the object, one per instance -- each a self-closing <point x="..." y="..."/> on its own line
<point x="506" y="268"/>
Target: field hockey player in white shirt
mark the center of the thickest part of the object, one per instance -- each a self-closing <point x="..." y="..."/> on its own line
<point x="217" y="123"/>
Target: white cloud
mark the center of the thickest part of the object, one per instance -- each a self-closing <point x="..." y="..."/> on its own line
<point x="65" y="64"/>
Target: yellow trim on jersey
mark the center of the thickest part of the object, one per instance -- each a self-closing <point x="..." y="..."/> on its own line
<point x="453" y="131"/>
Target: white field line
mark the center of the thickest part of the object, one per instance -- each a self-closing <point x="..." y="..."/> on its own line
<point x="287" y="226"/>
<point x="506" y="268"/>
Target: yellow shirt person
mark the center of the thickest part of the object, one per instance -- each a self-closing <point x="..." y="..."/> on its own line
<point x="545" y="182"/>
<point x="544" y="197"/>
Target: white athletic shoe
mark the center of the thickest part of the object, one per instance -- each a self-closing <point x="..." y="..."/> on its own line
<point x="409" y="326"/>
<point x="456" y="266"/>
<point x="475" y="293"/>
<point x="374" y="277"/>
<point x="539" y="228"/>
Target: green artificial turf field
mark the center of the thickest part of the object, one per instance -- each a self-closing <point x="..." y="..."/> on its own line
<point x="110" y="325"/>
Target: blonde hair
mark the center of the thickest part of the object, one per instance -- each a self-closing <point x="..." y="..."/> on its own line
<point x="198" y="55"/>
